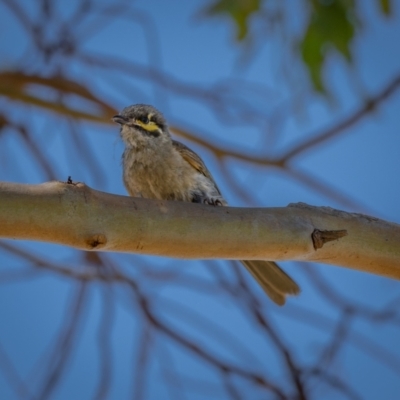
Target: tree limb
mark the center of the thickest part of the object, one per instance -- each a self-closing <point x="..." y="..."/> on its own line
<point x="78" y="216"/>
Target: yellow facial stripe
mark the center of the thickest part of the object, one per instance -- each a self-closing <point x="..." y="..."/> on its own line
<point x="151" y="126"/>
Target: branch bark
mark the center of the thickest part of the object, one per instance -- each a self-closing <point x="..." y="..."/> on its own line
<point x="78" y="216"/>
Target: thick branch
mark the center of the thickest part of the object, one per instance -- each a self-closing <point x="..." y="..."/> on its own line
<point x="78" y="216"/>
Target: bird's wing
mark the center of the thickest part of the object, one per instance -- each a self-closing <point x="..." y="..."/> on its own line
<point x="194" y="160"/>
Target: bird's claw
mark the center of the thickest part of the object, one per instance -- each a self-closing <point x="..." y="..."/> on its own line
<point x="212" y="201"/>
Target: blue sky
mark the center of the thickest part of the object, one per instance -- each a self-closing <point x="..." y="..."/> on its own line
<point x="360" y="167"/>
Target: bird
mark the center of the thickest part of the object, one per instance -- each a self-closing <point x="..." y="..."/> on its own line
<point x="157" y="167"/>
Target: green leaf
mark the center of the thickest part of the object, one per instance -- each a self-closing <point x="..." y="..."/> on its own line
<point x="237" y="10"/>
<point x="331" y="28"/>
<point x="386" y="6"/>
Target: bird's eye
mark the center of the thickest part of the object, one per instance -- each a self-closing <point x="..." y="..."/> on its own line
<point x="145" y="120"/>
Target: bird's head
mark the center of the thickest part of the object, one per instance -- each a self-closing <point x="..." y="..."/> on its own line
<point x="141" y="121"/>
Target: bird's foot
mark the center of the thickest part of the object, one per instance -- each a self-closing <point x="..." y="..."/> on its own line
<point x="212" y="201"/>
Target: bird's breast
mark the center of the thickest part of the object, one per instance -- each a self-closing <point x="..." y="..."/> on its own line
<point x="157" y="174"/>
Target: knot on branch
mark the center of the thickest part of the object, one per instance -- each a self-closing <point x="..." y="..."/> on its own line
<point x="96" y="241"/>
<point x="319" y="238"/>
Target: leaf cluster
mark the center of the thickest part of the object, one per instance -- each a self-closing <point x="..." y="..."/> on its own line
<point x="331" y="27"/>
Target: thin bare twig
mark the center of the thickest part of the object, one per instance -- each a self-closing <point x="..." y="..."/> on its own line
<point x="339" y="128"/>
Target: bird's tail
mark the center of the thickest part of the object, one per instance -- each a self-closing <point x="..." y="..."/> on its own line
<point x="275" y="282"/>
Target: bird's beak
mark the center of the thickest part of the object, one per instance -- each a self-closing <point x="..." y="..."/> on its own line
<point x="119" y="119"/>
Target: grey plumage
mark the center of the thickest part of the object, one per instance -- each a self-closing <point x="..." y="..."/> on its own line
<point x="157" y="167"/>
